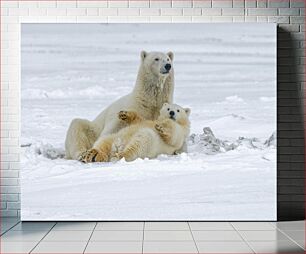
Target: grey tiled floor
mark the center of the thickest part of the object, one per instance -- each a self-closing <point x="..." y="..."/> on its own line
<point x="152" y="237"/>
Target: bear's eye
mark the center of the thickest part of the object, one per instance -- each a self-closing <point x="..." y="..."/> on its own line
<point x="156" y="59"/>
<point x="178" y="110"/>
<point x="168" y="109"/>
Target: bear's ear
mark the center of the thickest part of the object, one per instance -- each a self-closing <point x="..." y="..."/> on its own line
<point x="143" y="55"/>
<point x="166" y="103"/>
<point x="187" y="110"/>
<point x="170" y="54"/>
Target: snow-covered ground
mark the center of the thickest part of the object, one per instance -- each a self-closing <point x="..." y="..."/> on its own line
<point x="226" y="74"/>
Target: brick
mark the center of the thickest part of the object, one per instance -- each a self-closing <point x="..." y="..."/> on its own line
<point x="149" y="12"/>
<point x="179" y="19"/>
<point x="182" y="3"/>
<point x="13" y="205"/>
<point x="108" y="11"/>
<point x="250" y="3"/>
<point x="28" y="4"/>
<point x="289" y="11"/>
<point x="160" y="3"/>
<point x="201" y="19"/>
<point x="279" y="19"/>
<point x="222" y="19"/>
<point x="18" y="12"/>
<point x="192" y="11"/>
<point x="297" y="20"/>
<point x="9" y="213"/>
<point x="211" y="11"/>
<point x="222" y="3"/>
<point x="9" y="173"/>
<point x="57" y="12"/>
<point x="38" y="11"/>
<point x="3" y="205"/>
<point x="68" y="19"/>
<point x="290" y="198"/>
<point x="92" y="11"/>
<point x="139" y="4"/>
<point x="76" y="11"/>
<point x="239" y="19"/>
<point x="262" y="4"/>
<point x="4" y="11"/>
<point x="9" y="197"/>
<point x="10" y="189"/>
<point x="138" y="19"/>
<point x="128" y="12"/>
<point x="233" y="12"/>
<point x="47" y="4"/>
<point x="262" y="12"/>
<point x="202" y="3"/>
<point x="250" y="19"/>
<point x="238" y="3"/>
<point x="8" y="181"/>
<point x="171" y="11"/>
<point x="159" y="19"/>
<point x="289" y="28"/>
<point x="297" y="3"/>
<point x="118" y="4"/>
<point x="66" y="4"/>
<point x="9" y="4"/>
<point x="92" y="4"/>
<point x="262" y="19"/>
<point x="278" y="3"/>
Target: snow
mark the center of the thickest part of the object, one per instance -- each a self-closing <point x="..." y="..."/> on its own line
<point x="226" y="74"/>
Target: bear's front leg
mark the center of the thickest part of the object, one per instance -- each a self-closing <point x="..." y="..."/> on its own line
<point x="129" y="117"/>
<point x="93" y="155"/>
<point x="164" y="129"/>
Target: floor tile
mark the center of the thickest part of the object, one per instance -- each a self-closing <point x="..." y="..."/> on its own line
<point x="68" y="236"/>
<point x="63" y="226"/>
<point x="4" y="220"/>
<point x="123" y="236"/>
<point x="120" y="226"/>
<point x="33" y="226"/>
<point x="169" y="236"/>
<point x="291" y="225"/>
<point x="60" y="247"/>
<point x="7" y="224"/>
<point x="114" y="247"/>
<point x="23" y="236"/>
<point x="253" y="226"/>
<point x="223" y="247"/>
<point x="276" y="247"/>
<point x="274" y="235"/>
<point x="296" y="235"/>
<point x="169" y="247"/>
<point x="216" y="236"/>
<point x="166" y="226"/>
<point x="17" y="247"/>
<point x="210" y="226"/>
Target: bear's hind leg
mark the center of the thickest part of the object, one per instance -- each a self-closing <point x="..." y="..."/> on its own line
<point x="138" y="147"/>
<point x="100" y="153"/>
<point x="80" y="137"/>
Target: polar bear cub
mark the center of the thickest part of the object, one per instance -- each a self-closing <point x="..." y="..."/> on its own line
<point x="143" y="138"/>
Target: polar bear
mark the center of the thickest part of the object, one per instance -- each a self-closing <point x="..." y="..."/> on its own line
<point x="154" y="86"/>
<point x="143" y="138"/>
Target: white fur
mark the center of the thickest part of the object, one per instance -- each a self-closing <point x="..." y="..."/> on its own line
<point x="152" y="89"/>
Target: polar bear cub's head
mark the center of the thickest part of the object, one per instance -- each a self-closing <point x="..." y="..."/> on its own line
<point x="175" y="112"/>
<point x="157" y="63"/>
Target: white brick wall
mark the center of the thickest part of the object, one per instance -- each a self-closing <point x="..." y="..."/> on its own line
<point x="289" y="13"/>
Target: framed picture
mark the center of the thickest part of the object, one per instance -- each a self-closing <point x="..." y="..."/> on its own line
<point x="151" y="122"/>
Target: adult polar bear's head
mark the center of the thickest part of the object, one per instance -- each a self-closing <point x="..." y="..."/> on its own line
<point x="158" y="63"/>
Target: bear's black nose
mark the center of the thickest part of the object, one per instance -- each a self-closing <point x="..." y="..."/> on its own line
<point x="168" y="67"/>
<point x="171" y="113"/>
